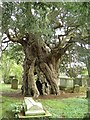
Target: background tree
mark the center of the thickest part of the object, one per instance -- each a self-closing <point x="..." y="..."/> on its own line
<point x="9" y="67"/>
<point x="45" y="32"/>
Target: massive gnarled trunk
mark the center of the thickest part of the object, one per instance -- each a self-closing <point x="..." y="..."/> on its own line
<point x="37" y="54"/>
<point x="29" y="80"/>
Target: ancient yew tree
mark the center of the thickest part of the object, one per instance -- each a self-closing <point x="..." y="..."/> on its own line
<point x="45" y="31"/>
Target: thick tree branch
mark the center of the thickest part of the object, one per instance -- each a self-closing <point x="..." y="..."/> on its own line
<point x="68" y="44"/>
<point x="14" y="38"/>
<point x="59" y="51"/>
<point x="68" y="31"/>
<point x="6" y="41"/>
<point x="48" y="45"/>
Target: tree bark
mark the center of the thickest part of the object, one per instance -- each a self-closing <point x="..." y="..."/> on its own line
<point x="36" y="52"/>
<point x="42" y="84"/>
<point x="51" y="76"/>
<point x="29" y="83"/>
<point x="32" y="88"/>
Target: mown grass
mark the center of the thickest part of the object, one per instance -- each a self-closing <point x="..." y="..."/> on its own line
<point x="7" y="88"/>
<point x="66" y="108"/>
<point x="8" y="105"/>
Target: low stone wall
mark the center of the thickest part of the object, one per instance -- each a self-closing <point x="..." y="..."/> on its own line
<point x="76" y="88"/>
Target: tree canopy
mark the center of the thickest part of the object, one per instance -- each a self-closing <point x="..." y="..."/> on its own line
<point x="44" y="19"/>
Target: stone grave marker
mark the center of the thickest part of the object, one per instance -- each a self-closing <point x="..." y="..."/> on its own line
<point x="14" y="84"/>
<point x="66" y="83"/>
<point x="76" y="88"/>
<point x="33" y="108"/>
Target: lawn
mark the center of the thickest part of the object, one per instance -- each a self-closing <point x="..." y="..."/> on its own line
<point x="66" y="108"/>
<point x="7" y="88"/>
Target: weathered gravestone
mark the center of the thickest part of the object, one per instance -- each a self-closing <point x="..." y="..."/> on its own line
<point x="14" y="84"/>
<point x="66" y="83"/>
<point x="32" y="107"/>
<point x="76" y="88"/>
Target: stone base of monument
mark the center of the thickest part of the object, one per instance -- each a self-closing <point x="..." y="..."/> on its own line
<point x="47" y="114"/>
<point x="32" y="109"/>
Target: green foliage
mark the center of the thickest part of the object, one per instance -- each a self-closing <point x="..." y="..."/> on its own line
<point x="10" y="68"/>
<point x="16" y="11"/>
<point x="40" y="17"/>
<point x="75" y="60"/>
<point x="5" y="67"/>
<point x="14" y="52"/>
<point x="8" y="107"/>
